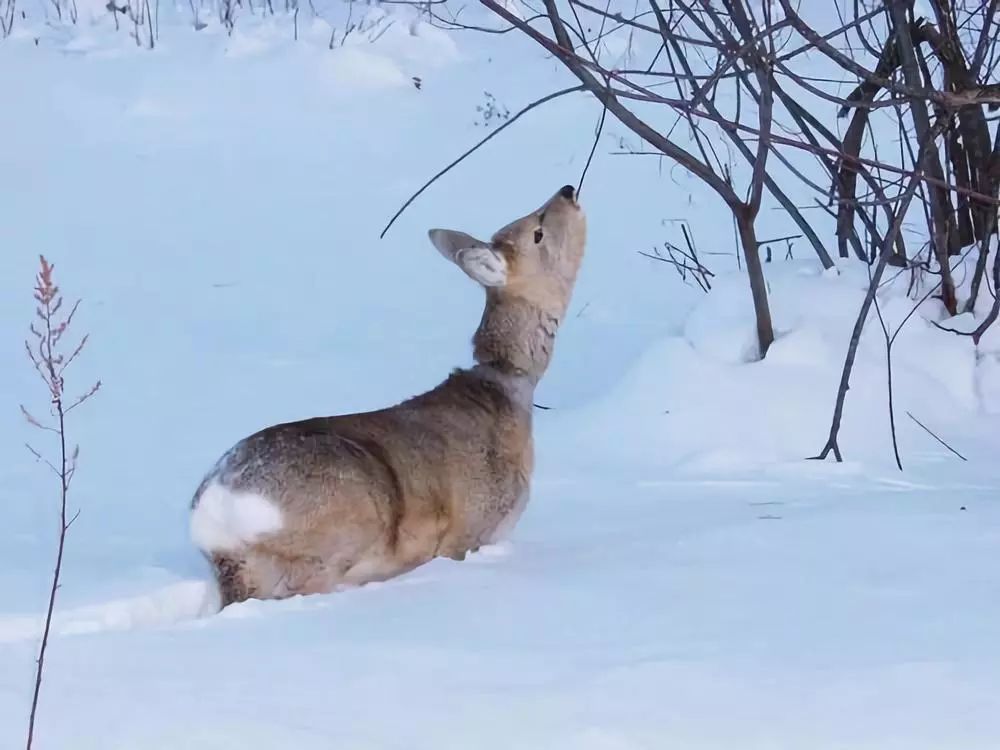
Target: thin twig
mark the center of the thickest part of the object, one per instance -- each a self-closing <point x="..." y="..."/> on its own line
<point x="460" y="159"/>
<point x="929" y="432"/>
<point x="597" y="139"/>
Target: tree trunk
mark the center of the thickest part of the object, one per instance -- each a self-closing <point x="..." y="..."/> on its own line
<point x="937" y="197"/>
<point x="758" y="285"/>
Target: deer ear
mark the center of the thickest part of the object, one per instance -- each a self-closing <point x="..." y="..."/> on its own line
<point x="480" y="262"/>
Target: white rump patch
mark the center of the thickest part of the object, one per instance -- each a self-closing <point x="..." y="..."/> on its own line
<point x="225" y="519"/>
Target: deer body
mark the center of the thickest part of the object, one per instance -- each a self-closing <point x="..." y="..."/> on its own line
<point x="307" y="506"/>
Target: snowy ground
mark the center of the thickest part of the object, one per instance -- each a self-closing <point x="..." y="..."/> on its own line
<point x="682" y="578"/>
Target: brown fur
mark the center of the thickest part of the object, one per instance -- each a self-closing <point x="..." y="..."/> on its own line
<point x="368" y="496"/>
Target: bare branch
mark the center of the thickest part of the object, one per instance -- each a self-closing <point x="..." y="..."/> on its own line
<point x="929" y="432"/>
<point x="514" y="118"/>
<point x="927" y="151"/>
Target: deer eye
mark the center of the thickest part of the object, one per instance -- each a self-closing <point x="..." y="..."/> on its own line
<point x="538" y="236"/>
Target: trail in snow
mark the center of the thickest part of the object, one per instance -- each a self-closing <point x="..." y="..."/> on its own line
<point x="176" y="603"/>
<point x="185" y="602"/>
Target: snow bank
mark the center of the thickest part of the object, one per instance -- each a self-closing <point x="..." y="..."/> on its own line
<point x="701" y="401"/>
<point x="345" y="46"/>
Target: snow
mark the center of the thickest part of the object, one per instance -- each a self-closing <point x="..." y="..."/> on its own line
<point x="682" y="576"/>
<point x="178" y="602"/>
<point x="696" y="398"/>
<point x="226" y="519"/>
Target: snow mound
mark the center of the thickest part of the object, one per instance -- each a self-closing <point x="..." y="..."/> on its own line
<point x="703" y="402"/>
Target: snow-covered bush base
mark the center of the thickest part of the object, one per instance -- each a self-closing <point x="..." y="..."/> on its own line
<point x="703" y="401"/>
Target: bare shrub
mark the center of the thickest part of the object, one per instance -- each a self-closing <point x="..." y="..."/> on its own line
<point x="746" y="72"/>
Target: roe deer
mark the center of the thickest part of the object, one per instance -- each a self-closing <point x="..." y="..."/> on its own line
<point x="304" y="507"/>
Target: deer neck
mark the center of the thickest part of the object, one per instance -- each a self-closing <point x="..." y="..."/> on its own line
<point x="515" y="337"/>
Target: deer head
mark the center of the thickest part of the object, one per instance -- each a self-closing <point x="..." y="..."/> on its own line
<point x="528" y="269"/>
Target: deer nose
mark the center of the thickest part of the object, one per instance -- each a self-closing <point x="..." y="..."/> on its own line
<point x="567" y="192"/>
